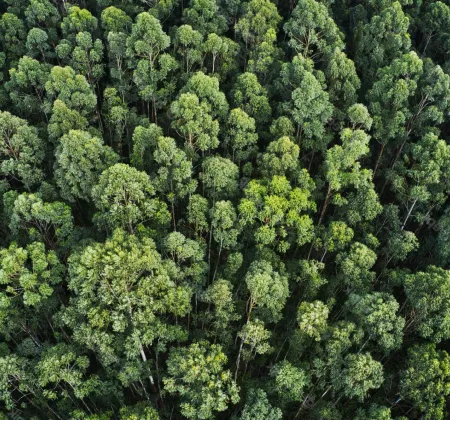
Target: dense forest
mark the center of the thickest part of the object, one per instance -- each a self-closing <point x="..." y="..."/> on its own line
<point x="230" y="209"/>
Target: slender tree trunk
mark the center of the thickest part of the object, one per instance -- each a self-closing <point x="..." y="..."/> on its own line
<point x="408" y="214"/>
<point x="326" y="203"/>
<point x="378" y="160"/>
<point x="173" y="216"/>
<point x="217" y="261"/>
<point x="144" y="358"/>
<point x="239" y="358"/>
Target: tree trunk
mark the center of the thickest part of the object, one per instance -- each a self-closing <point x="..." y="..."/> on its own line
<point x="408" y="215"/>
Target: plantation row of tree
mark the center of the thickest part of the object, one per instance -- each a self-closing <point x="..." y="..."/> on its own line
<point x="224" y="209"/>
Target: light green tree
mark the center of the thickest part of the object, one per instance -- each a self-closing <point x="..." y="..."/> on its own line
<point x="197" y="374"/>
<point x="21" y="150"/>
<point x="124" y="198"/>
<point x="425" y="381"/>
<point x="80" y="159"/>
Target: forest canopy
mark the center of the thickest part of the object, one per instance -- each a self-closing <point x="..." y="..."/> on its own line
<point x="224" y="209"/>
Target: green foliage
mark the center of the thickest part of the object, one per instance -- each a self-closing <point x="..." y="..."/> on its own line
<point x="231" y="209"/>
<point x="21" y="150"/>
<point x="268" y="289"/>
<point x="383" y="39"/>
<point x="124" y="197"/>
<point x="309" y="104"/>
<point x="376" y="313"/>
<point x="203" y="16"/>
<point x="219" y="177"/>
<point x="290" y="381"/>
<point x="312" y="318"/>
<point x="360" y="374"/>
<point x="197" y="374"/>
<point x="271" y="207"/>
<point x="119" y="286"/>
<point x="428" y="294"/>
<point x="260" y="16"/>
<point x="72" y="89"/>
<point x="311" y="30"/>
<point x="258" y="407"/>
<point x="425" y="383"/>
<point x="50" y="222"/>
<point x="80" y="159"/>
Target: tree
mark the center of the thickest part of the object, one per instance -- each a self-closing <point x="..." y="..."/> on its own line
<point x="333" y="238"/>
<point x="197" y="211"/>
<point x="12" y="36"/>
<point x="224" y="228"/>
<point x="63" y="375"/>
<point x="428" y="294"/>
<point x="117" y="54"/>
<point x="264" y="60"/>
<point x="188" y="257"/>
<point x="144" y="146"/>
<point x="312" y="31"/>
<point x="281" y="127"/>
<point x="193" y="122"/>
<point x="408" y="96"/>
<point x="260" y="16"/>
<point x="115" y="20"/>
<point x="206" y="88"/>
<point x="47" y="222"/>
<point x="80" y="159"/>
<point x="37" y="45"/>
<point x="30" y="279"/>
<point x="434" y="28"/>
<point x="280" y="159"/>
<point x="309" y="104"/>
<point x="220" y="295"/>
<point x="124" y="197"/>
<point x="382" y="40"/>
<point x="119" y="286"/>
<point x="78" y="20"/>
<point x="72" y="89"/>
<point x="290" y="382"/>
<point x="251" y="97"/>
<point x="374" y="412"/>
<point x="275" y="214"/>
<point x="360" y="374"/>
<point x="139" y="411"/>
<point x="188" y="43"/>
<point x="174" y="175"/>
<point x="223" y="54"/>
<point x="204" y="16"/>
<point x="240" y="135"/>
<point x="26" y="86"/>
<point x="86" y="58"/>
<point x="255" y="336"/>
<point x="21" y="150"/>
<point x="197" y="374"/>
<point x="219" y="177"/>
<point x="354" y="267"/>
<point x="422" y="181"/>
<point x="312" y="318"/>
<point x="424" y="381"/>
<point x="63" y="120"/>
<point x="343" y="82"/>
<point x="342" y="167"/>
<point x="146" y="44"/>
<point x="268" y="290"/>
<point x="257" y="406"/>
<point x="41" y="13"/>
<point x="376" y="314"/>
<point x="120" y="120"/>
